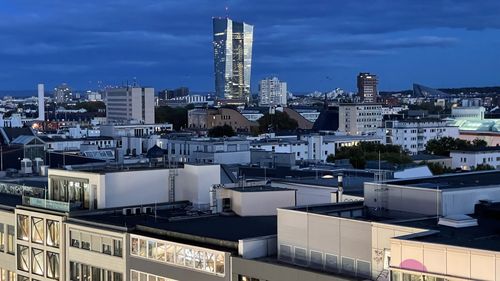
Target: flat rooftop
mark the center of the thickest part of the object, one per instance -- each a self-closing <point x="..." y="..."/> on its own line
<point x="479" y="149"/>
<point x="261" y="188"/>
<point x="484" y="236"/>
<point x="40" y="182"/>
<point x="459" y="180"/>
<point x="357" y="211"/>
<point x="180" y="220"/>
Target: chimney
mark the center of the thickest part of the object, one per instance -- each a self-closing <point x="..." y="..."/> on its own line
<point x="41" y="102"/>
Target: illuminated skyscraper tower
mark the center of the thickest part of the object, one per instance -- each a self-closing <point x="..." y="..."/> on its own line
<point x="232" y="58"/>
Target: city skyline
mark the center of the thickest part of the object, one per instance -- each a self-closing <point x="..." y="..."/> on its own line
<point x="317" y="46"/>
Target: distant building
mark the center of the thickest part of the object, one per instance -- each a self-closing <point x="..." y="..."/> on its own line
<point x="367" y="87"/>
<point x="413" y="134"/>
<point x="360" y="118"/>
<point x="232" y="59"/>
<point x="130" y="104"/>
<point x="272" y="91"/>
<point x="470" y="159"/>
<point x="205" y="119"/>
<point x="63" y="93"/>
<point x="471" y="113"/>
<point x="175" y="93"/>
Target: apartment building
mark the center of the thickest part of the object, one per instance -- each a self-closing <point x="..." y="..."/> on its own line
<point x="472" y="158"/>
<point x="360" y="118"/>
<point x="413" y="134"/>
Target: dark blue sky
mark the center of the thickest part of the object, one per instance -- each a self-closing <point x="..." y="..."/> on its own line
<point x="167" y="43"/>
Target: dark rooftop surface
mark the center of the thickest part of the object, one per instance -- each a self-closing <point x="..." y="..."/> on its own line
<point x="228" y="228"/>
<point x="10" y="200"/>
<point x="424" y="157"/>
<point x="41" y="183"/>
<point x="462" y="180"/>
<point x="480" y="149"/>
<point x="485" y="236"/>
<point x="259" y="189"/>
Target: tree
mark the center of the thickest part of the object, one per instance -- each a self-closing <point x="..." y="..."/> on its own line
<point x="365" y="151"/>
<point x="279" y="121"/>
<point x="443" y="146"/>
<point x="176" y="116"/>
<point x="438" y="169"/>
<point x="91" y="106"/>
<point x="484" y="167"/>
<point x="221" y="131"/>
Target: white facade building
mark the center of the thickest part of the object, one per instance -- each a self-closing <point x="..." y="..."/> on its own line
<point x="413" y="135"/>
<point x="130" y="104"/>
<point x="470" y="159"/>
<point x="474" y="113"/>
<point x="360" y="118"/>
<point x="272" y="91"/>
<point x="207" y="150"/>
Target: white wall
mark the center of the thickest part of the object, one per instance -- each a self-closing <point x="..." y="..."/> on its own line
<point x="262" y="203"/>
<point x="463" y="201"/>
<point x="194" y="183"/>
<point x="136" y="187"/>
<point x="468" y="161"/>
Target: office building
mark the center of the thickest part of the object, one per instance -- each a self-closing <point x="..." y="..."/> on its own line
<point x="272" y="91"/>
<point x="130" y="104"/>
<point x="175" y="93"/>
<point x="367" y="87"/>
<point x="468" y="113"/>
<point x="41" y="102"/>
<point x="232" y="59"/>
<point x="359" y="118"/>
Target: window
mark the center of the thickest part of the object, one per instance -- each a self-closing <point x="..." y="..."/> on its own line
<point x="75" y="238"/>
<point x="142" y="248"/>
<point x="117" y="248"/>
<point x="22" y="278"/>
<point x="53" y="233"/>
<point x="106" y="245"/>
<point x="52" y="265"/>
<point x="219" y="264"/>
<point x="37" y="261"/>
<point x="134" y="248"/>
<point x="37" y="230"/>
<point x="23" y="227"/>
<point x="151" y="250"/>
<point x="2" y="238"/>
<point x="23" y="258"/>
<point x="85" y="241"/>
<point x="10" y="239"/>
<point x="331" y="263"/>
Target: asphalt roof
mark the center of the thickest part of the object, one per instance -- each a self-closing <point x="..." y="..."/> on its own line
<point x="461" y="180"/>
<point x="485" y="236"/>
<point x="10" y="200"/>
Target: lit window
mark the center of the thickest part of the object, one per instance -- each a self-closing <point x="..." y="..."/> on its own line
<point x="37" y="230"/>
<point x="37" y="261"/>
<point x="53" y="233"/>
<point x="23" y="258"/>
<point x="52" y="265"/>
<point x="23" y="227"/>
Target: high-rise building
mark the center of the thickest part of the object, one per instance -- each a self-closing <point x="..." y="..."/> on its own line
<point x="41" y="102"/>
<point x="272" y="91"/>
<point x="130" y="104"/>
<point x="232" y="58"/>
<point x="63" y="93"/>
<point x="367" y="87"/>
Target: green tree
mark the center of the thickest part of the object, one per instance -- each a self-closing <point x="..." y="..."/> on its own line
<point x="366" y="151"/>
<point x="221" y="131"/>
<point x="91" y="106"/>
<point x="438" y="169"/>
<point x="176" y="116"/>
<point x="443" y="146"/>
<point x="279" y="121"/>
<point x="484" y="167"/>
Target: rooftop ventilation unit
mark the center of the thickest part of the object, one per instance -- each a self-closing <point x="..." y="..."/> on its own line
<point x="458" y="221"/>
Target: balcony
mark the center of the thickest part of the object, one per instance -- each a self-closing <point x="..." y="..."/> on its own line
<point x="50" y="204"/>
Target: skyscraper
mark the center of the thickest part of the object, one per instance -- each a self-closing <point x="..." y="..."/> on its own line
<point x="232" y="58"/>
<point x="367" y="87"/>
<point x="272" y="91"/>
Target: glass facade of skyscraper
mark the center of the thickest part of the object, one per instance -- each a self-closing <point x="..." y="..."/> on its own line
<point x="232" y="58"/>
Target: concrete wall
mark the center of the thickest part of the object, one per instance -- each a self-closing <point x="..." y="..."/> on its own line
<point x="136" y="187"/>
<point x="340" y="237"/>
<point x="462" y="201"/>
<point x="408" y="199"/>
<point x="307" y="194"/>
<point x="262" y="203"/>
<point x="274" y="271"/>
<point x="257" y="247"/>
<point x="194" y="183"/>
<point x="444" y="260"/>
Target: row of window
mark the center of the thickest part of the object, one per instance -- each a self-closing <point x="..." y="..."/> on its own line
<point x="83" y="272"/>
<point x="7" y="241"/>
<point x="324" y="261"/>
<point x="178" y="254"/>
<point x="37" y="262"/>
<point x="399" y="276"/>
<point x="143" y="276"/>
<point x="7" y="275"/>
<point x="38" y="233"/>
<point x="97" y="243"/>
